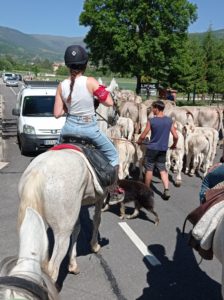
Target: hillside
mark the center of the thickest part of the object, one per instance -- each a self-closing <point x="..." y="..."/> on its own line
<point x="217" y="33"/>
<point x="30" y="46"/>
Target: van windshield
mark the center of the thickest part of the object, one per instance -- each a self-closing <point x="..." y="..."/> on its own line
<point x="38" y="106"/>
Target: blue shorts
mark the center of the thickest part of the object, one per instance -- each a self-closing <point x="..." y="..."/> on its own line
<point x="155" y="158"/>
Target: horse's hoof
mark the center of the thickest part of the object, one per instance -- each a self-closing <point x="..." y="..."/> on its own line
<point x="129" y="217"/>
<point x="96" y="248"/>
<point x="105" y="208"/>
<point x="191" y="174"/>
<point x="74" y="270"/>
<point x="122" y="217"/>
<point x="178" y="183"/>
<point x="156" y="222"/>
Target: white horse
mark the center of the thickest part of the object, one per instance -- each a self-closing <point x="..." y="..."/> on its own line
<point x="107" y="116"/>
<point x="23" y="277"/>
<point x="56" y="184"/>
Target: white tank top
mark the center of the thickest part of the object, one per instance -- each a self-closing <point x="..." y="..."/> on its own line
<point x="81" y="100"/>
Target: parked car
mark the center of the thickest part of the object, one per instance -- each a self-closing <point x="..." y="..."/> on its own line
<point x="6" y="75"/>
<point x="12" y="81"/>
<point x="37" y="128"/>
<point x="19" y="77"/>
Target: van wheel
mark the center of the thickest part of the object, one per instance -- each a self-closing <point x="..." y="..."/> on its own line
<point x="18" y="140"/>
<point x="21" y="147"/>
<point x="22" y="150"/>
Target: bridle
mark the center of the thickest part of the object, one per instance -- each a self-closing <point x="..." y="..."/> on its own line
<point x="25" y="285"/>
<point x="113" y="119"/>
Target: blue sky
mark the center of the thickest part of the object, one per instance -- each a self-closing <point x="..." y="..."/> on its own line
<point x="62" y="18"/>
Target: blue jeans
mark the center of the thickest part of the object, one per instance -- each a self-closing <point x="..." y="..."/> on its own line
<point x="75" y="125"/>
<point x="211" y="179"/>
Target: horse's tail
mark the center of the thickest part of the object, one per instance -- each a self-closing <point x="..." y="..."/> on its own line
<point x="30" y="193"/>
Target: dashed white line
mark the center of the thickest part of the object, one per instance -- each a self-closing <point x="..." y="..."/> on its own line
<point x="139" y="244"/>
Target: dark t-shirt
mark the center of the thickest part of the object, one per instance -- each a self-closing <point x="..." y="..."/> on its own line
<point x="170" y="97"/>
<point x="160" y="131"/>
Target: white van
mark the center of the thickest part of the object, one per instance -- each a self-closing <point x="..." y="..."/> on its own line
<point x="37" y="128"/>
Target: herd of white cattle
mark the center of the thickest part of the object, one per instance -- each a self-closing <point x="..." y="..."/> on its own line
<point x="198" y="129"/>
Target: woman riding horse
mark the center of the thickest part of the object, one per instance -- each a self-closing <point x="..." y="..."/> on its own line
<point x="75" y="96"/>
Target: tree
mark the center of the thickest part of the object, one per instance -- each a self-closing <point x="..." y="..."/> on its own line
<point x="136" y="37"/>
<point x="214" y="61"/>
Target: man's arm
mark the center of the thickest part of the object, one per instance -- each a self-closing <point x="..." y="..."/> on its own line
<point x="144" y="133"/>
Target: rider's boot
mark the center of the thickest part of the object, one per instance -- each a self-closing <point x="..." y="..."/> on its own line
<point x="115" y="189"/>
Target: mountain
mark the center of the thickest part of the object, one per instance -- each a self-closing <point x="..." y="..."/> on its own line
<point x="30" y="46"/>
<point x="217" y="33"/>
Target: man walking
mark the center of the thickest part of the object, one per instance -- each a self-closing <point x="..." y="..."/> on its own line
<point x="160" y="127"/>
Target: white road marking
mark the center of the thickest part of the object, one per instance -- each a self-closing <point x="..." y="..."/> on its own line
<point x="3" y="164"/>
<point x="13" y="91"/>
<point x="139" y="244"/>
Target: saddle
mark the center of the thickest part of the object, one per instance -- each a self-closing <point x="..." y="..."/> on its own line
<point x="105" y="173"/>
<point x="212" y="198"/>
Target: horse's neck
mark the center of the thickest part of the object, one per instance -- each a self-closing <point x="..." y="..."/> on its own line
<point x="12" y="294"/>
<point x="29" y="268"/>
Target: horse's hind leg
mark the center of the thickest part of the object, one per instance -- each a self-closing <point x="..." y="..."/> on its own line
<point x="73" y="267"/>
<point x="96" y="223"/>
<point x="61" y="244"/>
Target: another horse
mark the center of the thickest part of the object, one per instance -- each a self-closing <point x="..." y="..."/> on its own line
<point x="23" y="277"/>
<point x="56" y="184"/>
<point x="218" y="247"/>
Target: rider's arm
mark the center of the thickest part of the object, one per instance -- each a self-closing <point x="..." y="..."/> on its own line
<point x="59" y="106"/>
<point x="97" y="90"/>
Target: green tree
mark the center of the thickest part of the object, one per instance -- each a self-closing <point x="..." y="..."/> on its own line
<point x="214" y="56"/>
<point x="62" y="70"/>
<point x="5" y="65"/>
<point x="136" y="37"/>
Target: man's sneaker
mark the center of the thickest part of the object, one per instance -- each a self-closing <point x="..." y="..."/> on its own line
<point x="166" y="194"/>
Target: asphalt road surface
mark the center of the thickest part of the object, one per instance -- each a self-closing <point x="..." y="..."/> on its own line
<point x="138" y="260"/>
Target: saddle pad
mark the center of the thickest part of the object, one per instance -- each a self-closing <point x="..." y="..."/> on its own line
<point x="205" y="228"/>
<point x="96" y="183"/>
<point x="65" y="146"/>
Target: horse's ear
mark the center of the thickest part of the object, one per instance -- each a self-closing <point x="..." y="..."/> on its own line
<point x="33" y="236"/>
<point x="100" y="80"/>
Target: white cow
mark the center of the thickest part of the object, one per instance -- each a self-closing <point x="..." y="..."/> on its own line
<point x="210" y="133"/>
<point x="128" y="127"/>
<point x="126" y="152"/>
<point x="197" y="149"/>
<point x="174" y="157"/>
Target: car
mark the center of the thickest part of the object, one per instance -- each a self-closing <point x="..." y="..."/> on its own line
<point x="11" y="81"/>
<point x="19" y="77"/>
<point x="37" y="128"/>
<point x="6" y="75"/>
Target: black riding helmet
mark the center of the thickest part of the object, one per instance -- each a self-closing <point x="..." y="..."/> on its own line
<point x="75" y="55"/>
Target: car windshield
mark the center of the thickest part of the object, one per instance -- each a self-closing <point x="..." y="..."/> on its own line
<point x="38" y="106"/>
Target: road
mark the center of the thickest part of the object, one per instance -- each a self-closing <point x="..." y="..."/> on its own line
<point x="138" y="260"/>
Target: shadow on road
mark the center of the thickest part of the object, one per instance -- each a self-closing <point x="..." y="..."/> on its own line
<point x="180" y="278"/>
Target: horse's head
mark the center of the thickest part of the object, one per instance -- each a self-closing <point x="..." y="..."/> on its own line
<point x="24" y="278"/>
